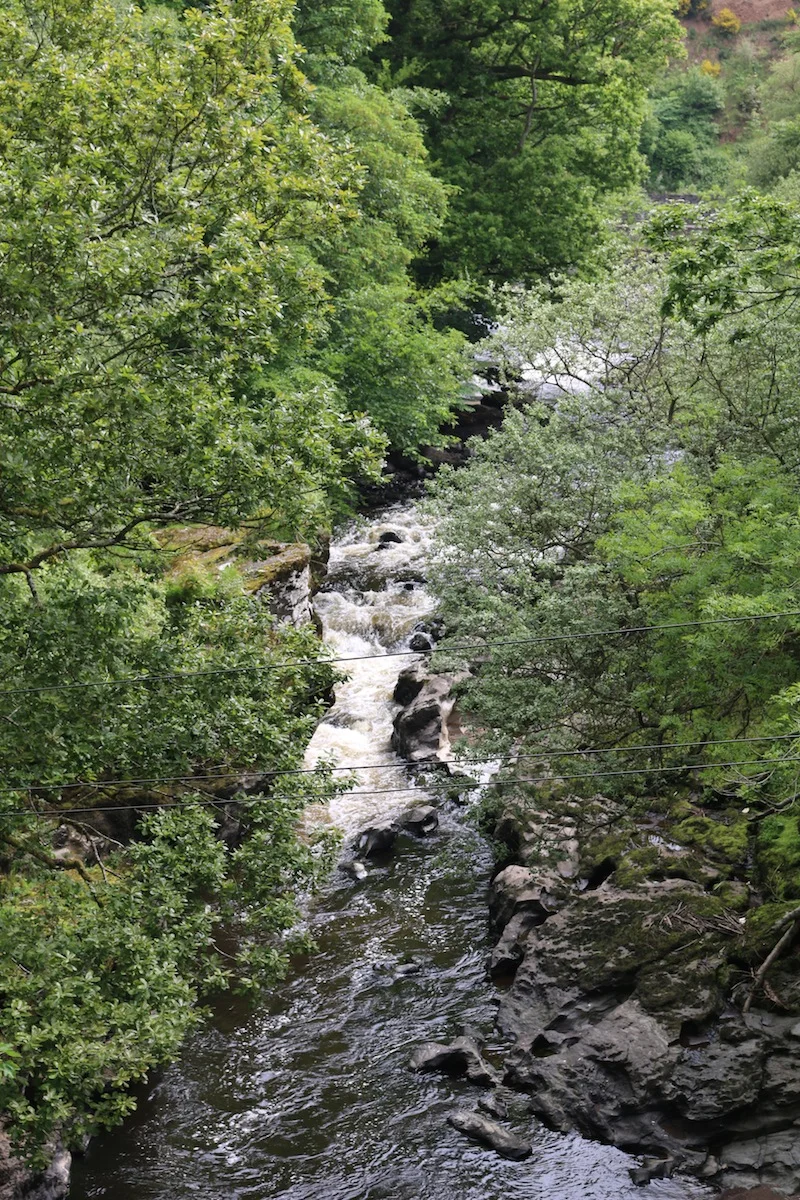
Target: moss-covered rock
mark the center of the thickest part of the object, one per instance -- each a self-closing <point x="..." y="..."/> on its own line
<point x="778" y="855"/>
<point x="724" y="836"/>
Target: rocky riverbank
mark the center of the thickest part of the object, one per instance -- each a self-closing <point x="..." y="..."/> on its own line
<point x="628" y="953"/>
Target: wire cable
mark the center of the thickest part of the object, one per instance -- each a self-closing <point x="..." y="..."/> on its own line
<point x="545" y="639"/>
<point x="422" y="792"/>
<point x="222" y="773"/>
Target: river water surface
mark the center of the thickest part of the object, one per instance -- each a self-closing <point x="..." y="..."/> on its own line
<point x="309" y="1096"/>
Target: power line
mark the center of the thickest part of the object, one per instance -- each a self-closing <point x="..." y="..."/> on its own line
<point x="223" y="773"/>
<point x="180" y="676"/>
<point x="421" y="792"/>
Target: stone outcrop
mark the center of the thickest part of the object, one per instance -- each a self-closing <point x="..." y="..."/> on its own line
<point x="16" y="1181"/>
<point x="420" y="728"/>
<point x="284" y="575"/>
<point x="631" y="955"/>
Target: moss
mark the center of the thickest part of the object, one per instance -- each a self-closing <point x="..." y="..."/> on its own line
<point x="616" y="844"/>
<point x="759" y="929"/>
<point x="630" y="933"/>
<point x="679" y="810"/>
<point x="728" y="840"/>
<point x="637" y="866"/>
<point x="197" y="538"/>
<point x="734" y="896"/>
<point x="288" y="560"/>
<point x="778" y="855"/>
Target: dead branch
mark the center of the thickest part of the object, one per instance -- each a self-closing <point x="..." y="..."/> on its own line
<point x="55" y="864"/>
<point x="792" y="922"/>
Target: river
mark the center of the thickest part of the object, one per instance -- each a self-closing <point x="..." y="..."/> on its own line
<point x="308" y="1095"/>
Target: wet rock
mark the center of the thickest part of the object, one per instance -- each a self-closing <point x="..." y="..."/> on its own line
<point x="770" y="1161"/>
<point x="653" y="1168"/>
<point x="459" y="1057"/>
<point x="621" y="1020"/>
<point x="419" y="728"/>
<point x="759" y="1193"/>
<point x="420" y="643"/>
<point x="493" y="1106"/>
<point x="404" y="970"/>
<point x="510" y="950"/>
<point x="410" y="683"/>
<point x="71" y="845"/>
<point x="516" y="890"/>
<point x="489" y="1133"/>
<point x="284" y="581"/>
<point x="389" y="537"/>
<point x="421" y="821"/>
<point x="376" y="840"/>
<point x="434" y="627"/>
<point x="354" y="868"/>
<point x="16" y="1181"/>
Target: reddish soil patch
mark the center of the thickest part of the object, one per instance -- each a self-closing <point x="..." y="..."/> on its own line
<point x="752" y="11"/>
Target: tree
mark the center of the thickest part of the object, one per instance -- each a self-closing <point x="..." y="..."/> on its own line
<point x="162" y="194"/>
<point x="541" y="119"/>
<point x="159" y="189"/>
<point x="657" y="487"/>
<point x="385" y="349"/>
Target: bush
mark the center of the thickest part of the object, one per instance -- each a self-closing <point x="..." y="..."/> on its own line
<point x="727" y="22"/>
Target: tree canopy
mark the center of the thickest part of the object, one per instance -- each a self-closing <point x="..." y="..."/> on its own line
<point x="652" y="483"/>
<point x="539" y="119"/>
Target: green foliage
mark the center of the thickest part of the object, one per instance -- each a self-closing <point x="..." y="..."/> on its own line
<point x="657" y="488"/>
<point x="680" y="135"/>
<point x="778" y="856"/>
<point x="541" y="120"/>
<point x="384" y="348"/>
<point x="392" y="363"/>
<point x="740" y="259"/>
<point x="154" y="217"/>
<point x="100" y="970"/>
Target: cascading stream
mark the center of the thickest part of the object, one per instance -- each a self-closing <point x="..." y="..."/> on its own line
<point x="309" y="1097"/>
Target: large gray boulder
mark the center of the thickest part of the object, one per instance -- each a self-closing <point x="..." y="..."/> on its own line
<point x="420" y="728"/>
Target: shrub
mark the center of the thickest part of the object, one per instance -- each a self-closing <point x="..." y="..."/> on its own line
<point x="727" y="22"/>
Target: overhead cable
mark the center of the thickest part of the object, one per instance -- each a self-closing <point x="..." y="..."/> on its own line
<point x="459" y="648"/>
<point x="436" y="789"/>
<point x="222" y="773"/>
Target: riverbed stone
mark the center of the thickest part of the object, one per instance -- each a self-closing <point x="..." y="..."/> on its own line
<point x="410" y="683"/>
<point x="653" y="1168"/>
<point x="460" y="1057"/>
<point x="493" y="1106"/>
<point x="354" y="868"/>
<point x="482" y="1129"/>
<point x="422" y="820"/>
<point x="419" y="729"/>
<point x="376" y="840"/>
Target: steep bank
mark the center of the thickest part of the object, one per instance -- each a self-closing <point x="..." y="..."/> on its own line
<point x="631" y="951"/>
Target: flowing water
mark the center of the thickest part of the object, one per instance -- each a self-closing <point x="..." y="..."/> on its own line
<point x="309" y="1097"/>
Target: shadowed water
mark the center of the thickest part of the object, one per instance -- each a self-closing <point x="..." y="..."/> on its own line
<point x="310" y="1097"/>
